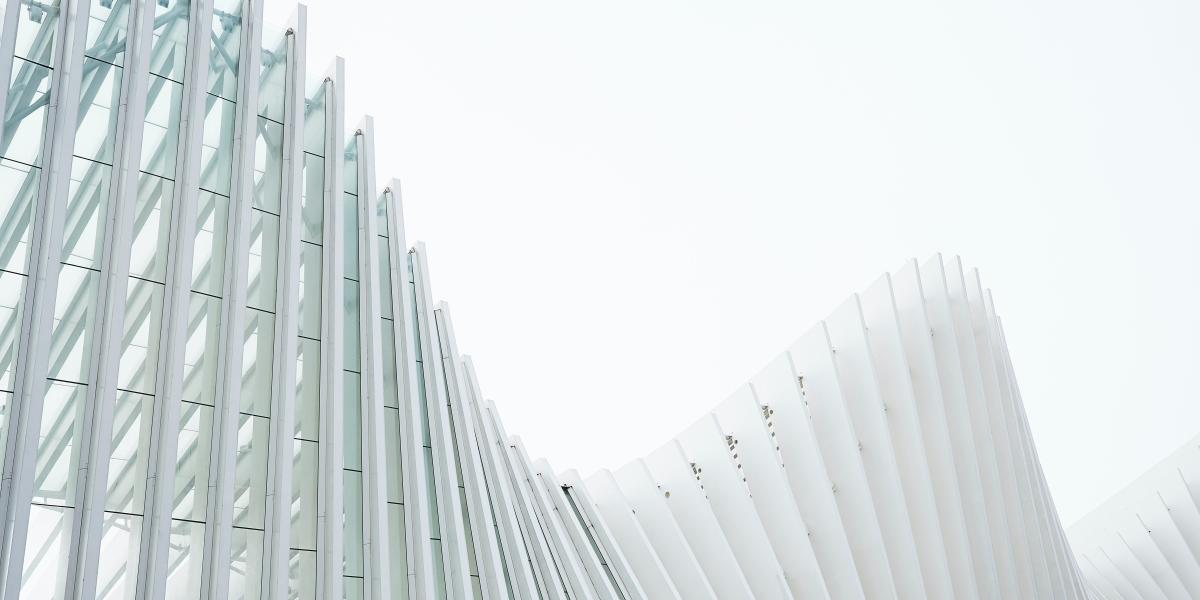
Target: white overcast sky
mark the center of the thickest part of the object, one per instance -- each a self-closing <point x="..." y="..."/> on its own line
<point x="633" y="205"/>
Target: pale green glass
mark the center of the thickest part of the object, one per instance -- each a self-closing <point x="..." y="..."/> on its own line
<point x="305" y="473"/>
<point x="143" y="322"/>
<point x="268" y="165"/>
<point x="312" y="203"/>
<point x="212" y="238"/>
<point x="116" y="574"/>
<point x="186" y="555"/>
<point x="151" y="225"/>
<point x="263" y="263"/>
<point x="245" y="564"/>
<point x="200" y="355"/>
<point x="74" y="324"/>
<point x="85" y="229"/>
<point x="96" y="132"/>
<point x="250" y="473"/>
<point x="18" y="192"/>
<point x="25" y="114"/>
<point x="192" y="461"/>
<point x="308" y="389"/>
<point x="257" y="349"/>
<point x="160" y="129"/>
<point x="309" y="289"/>
<point x="132" y="419"/>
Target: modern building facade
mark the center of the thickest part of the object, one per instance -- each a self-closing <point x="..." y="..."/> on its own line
<point x="223" y="375"/>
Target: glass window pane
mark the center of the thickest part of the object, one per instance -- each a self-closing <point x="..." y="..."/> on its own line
<point x="353" y="523"/>
<point x="250" y="474"/>
<point x="160" y="132"/>
<point x="186" y="556"/>
<point x="304" y="494"/>
<point x="245" y="564"/>
<point x="391" y="387"/>
<point x="310" y="290"/>
<point x="395" y="470"/>
<point x="216" y="153"/>
<point x="130" y="443"/>
<point x="143" y="322"/>
<point x="12" y="289"/>
<point x="351" y="233"/>
<point x="226" y="48"/>
<point x="212" y="237"/>
<point x="352" y="422"/>
<point x="107" y="30"/>
<point x="350" y="326"/>
<point x="350" y="175"/>
<point x="37" y="27"/>
<point x="302" y="575"/>
<point x="170" y="38"/>
<point x="312" y="205"/>
<point x="191" y="467"/>
<point x="258" y="347"/>
<point x="308" y="388"/>
<point x="116" y="576"/>
<point x="85" y="230"/>
<point x="353" y="588"/>
<point x="200" y="354"/>
<point x="263" y="267"/>
<point x="268" y="165"/>
<point x="96" y="132"/>
<point x="151" y="223"/>
<point x="18" y="190"/>
<point x="271" y="77"/>
<point x="74" y="324"/>
<point x="397" y="551"/>
<point x="385" y="279"/>
<point x="25" y="112"/>
<point x="381" y="212"/>
<point x="314" y="119"/>
<point x="46" y="548"/>
<point x="58" y="444"/>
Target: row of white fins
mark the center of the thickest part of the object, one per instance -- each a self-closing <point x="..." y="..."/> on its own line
<point x="1144" y="542"/>
<point x="885" y="455"/>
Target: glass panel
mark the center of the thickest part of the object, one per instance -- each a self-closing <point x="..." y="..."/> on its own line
<point x="58" y="444"/>
<point x="186" y="557"/>
<point x="107" y="30"/>
<point x="381" y="212"/>
<point x="310" y="290"/>
<point x="263" y="267"/>
<point x="200" y="355"/>
<point x="245" y="564"/>
<point x="352" y="588"/>
<point x="37" y="26"/>
<point x="216" y="154"/>
<point x="351" y="233"/>
<point x="271" y="77"/>
<point x="353" y="523"/>
<point x="250" y="475"/>
<point x="302" y="575"/>
<point x="160" y="134"/>
<point x="46" y="549"/>
<point x="314" y="120"/>
<point x="86" y="228"/>
<point x="191" y="470"/>
<point x="312" y="205"/>
<point x="395" y="470"/>
<point x="304" y="494"/>
<point x="151" y="222"/>
<point x="350" y="176"/>
<point x="308" y="388"/>
<point x="350" y="326"/>
<point x="391" y="389"/>
<point x="74" y="324"/>
<point x="212" y="237"/>
<point x="116" y="577"/>
<point x="96" y="132"/>
<point x="226" y="48"/>
<point x="397" y="551"/>
<point x="18" y="189"/>
<point x="258" y="347"/>
<point x="170" y="38"/>
<point x="143" y="322"/>
<point x="268" y="165"/>
<point x="352" y="421"/>
<point x="12" y="288"/>
<point x="130" y="444"/>
<point x="25" y="113"/>
<point x="385" y="280"/>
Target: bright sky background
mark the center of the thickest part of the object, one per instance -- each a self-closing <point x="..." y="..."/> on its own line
<point x="633" y="205"/>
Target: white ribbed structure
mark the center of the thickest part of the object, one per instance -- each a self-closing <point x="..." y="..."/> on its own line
<point x="1144" y="542"/>
<point x="223" y="374"/>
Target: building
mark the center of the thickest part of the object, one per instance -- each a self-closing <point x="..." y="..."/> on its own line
<point x="223" y="375"/>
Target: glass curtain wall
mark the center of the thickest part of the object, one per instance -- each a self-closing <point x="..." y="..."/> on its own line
<point x="352" y="475"/>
